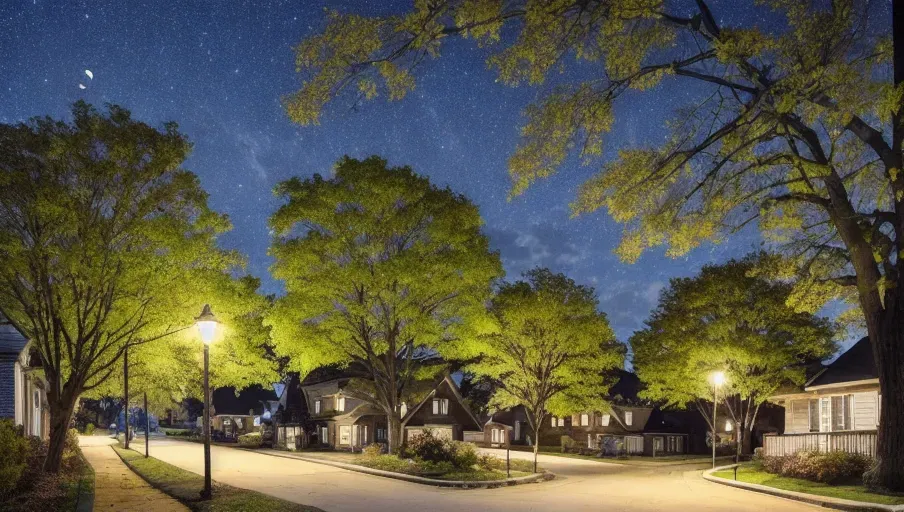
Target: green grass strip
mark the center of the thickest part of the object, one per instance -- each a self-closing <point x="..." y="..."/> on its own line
<point x="751" y="475"/>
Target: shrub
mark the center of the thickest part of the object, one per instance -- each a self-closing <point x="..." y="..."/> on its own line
<point x="493" y="463"/>
<point x="829" y="468"/>
<point x="89" y="429"/>
<point x="373" y="450"/>
<point x="71" y="451"/>
<point x="429" y="447"/>
<point x="567" y="443"/>
<point x="15" y="449"/>
<point x="464" y="455"/>
<point x="250" y="440"/>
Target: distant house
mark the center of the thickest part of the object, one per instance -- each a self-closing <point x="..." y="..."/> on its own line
<point x="837" y="409"/>
<point x="23" y="390"/>
<point x="342" y="421"/>
<point x="235" y="414"/>
<point x="623" y="428"/>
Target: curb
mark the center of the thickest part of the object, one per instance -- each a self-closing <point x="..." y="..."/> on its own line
<point x="461" y="484"/>
<point x="813" y="499"/>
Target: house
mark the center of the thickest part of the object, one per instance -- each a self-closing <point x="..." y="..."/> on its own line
<point x="339" y="420"/>
<point x="837" y="409"/>
<point x="23" y="390"/>
<point x="235" y="414"/>
<point x="623" y="428"/>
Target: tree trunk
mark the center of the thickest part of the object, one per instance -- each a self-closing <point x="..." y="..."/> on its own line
<point x="394" y="428"/>
<point x="60" y="414"/>
<point x="745" y="443"/>
<point x="536" y="446"/>
<point x="887" y="341"/>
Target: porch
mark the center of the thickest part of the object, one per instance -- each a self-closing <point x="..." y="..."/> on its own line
<point x="852" y="441"/>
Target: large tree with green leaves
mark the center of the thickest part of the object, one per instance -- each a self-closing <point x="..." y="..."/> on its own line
<point x="107" y="243"/>
<point x="797" y="129"/>
<point x="384" y="272"/>
<point x="730" y="319"/>
<point x="551" y="350"/>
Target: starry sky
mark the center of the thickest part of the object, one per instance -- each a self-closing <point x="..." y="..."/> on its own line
<point x="219" y="69"/>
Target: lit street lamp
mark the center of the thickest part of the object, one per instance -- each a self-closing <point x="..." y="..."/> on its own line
<point x="718" y="378"/>
<point x="207" y="327"/>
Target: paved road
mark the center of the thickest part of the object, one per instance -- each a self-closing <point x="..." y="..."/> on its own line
<point x="581" y="485"/>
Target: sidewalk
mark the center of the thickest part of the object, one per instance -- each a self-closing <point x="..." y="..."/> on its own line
<point x="116" y="487"/>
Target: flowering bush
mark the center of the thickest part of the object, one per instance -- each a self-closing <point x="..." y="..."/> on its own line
<point x="372" y="450"/>
<point x="830" y="468"/>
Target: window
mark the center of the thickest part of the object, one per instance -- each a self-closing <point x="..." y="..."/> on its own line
<point x="629" y="418"/>
<point x="814" y="415"/>
<point x="324" y="435"/>
<point x="585" y="420"/>
<point x="606" y="420"/>
<point x="561" y="422"/>
<point x="440" y="406"/>
<point x="340" y="403"/>
<point x="825" y="419"/>
<point x="728" y="425"/>
<point x="657" y="443"/>
<point x="841" y="412"/>
<point x="227" y="421"/>
<point x="381" y="434"/>
<point x="497" y="435"/>
<point x="554" y="422"/>
<point x="345" y="434"/>
<point x="316" y="406"/>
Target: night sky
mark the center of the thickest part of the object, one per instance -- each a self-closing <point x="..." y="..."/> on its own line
<point x="220" y="68"/>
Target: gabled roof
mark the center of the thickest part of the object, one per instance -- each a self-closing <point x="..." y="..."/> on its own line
<point x="448" y="381"/>
<point x="857" y="364"/>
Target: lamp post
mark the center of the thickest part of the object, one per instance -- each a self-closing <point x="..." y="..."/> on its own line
<point x="207" y="327"/>
<point x="718" y="378"/>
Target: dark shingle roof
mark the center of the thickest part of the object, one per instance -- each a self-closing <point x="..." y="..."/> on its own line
<point x="855" y="364"/>
<point x="11" y="340"/>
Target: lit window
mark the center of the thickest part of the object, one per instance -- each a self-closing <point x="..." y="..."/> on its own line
<point x="553" y="421"/>
<point x="585" y="420"/>
<point x="728" y="425"/>
<point x="340" y="404"/>
<point x="440" y="406"/>
<point x="561" y="422"/>
<point x="629" y="418"/>
<point x="606" y="420"/>
<point x="345" y="433"/>
<point x="316" y="406"/>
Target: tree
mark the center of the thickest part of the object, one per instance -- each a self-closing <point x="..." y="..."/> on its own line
<point x="551" y="350"/>
<point x="384" y="272"/>
<point x="107" y="243"/>
<point x="797" y="129"/>
<point x="477" y="392"/>
<point x="728" y="319"/>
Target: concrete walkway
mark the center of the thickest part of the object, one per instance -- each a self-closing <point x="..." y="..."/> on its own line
<point x="116" y="487"/>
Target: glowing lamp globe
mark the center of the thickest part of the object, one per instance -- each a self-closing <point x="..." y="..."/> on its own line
<point x="207" y="324"/>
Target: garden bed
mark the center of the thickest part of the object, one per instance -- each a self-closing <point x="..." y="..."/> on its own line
<point x="185" y="486"/>
<point x="752" y="474"/>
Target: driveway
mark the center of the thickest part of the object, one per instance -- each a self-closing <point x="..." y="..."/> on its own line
<point x="581" y="485"/>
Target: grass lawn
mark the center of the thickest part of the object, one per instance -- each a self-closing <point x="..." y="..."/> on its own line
<point x="748" y="473"/>
<point x="635" y="460"/>
<point x="185" y="487"/>
<point x="397" y="465"/>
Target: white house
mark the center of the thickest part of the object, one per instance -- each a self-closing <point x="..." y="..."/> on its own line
<point x="22" y="387"/>
<point x="837" y="409"/>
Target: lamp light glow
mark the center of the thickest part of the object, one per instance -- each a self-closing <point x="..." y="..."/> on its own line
<point x="207" y="325"/>
<point x="718" y="378"/>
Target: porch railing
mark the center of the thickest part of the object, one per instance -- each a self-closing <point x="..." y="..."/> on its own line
<point x="852" y="441"/>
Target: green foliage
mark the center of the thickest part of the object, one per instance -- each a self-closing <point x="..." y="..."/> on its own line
<point x="89" y="429"/>
<point x="383" y="271"/>
<point x="551" y="348"/>
<point x="14" y="448"/>
<point x="108" y="243"/>
<point x="493" y="463"/>
<point x="727" y="319"/>
<point x="372" y="450"/>
<point x="826" y="467"/>
<point x="429" y="448"/>
<point x="250" y="440"/>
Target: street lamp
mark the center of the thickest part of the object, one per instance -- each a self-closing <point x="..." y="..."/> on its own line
<point x="207" y="327"/>
<point x="718" y="379"/>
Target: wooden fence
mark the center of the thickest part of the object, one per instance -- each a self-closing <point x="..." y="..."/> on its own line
<point x="855" y="441"/>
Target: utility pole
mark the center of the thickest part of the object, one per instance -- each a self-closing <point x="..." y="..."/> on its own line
<point x="147" y="425"/>
<point x="125" y="408"/>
